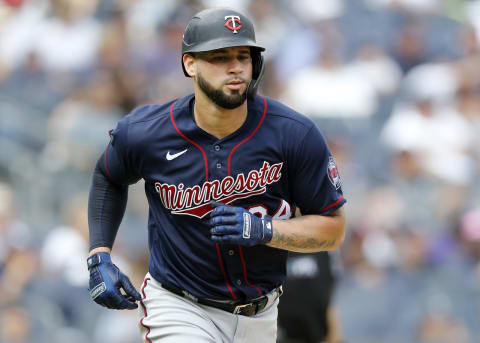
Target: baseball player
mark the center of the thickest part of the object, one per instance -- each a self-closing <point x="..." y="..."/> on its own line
<point x="224" y="170"/>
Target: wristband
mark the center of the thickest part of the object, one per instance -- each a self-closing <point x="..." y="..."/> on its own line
<point x="267" y="229"/>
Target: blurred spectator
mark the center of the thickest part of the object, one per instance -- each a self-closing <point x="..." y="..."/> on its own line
<point x="17" y="261"/>
<point x="271" y="24"/>
<point x="64" y="246"/>
<point x="114" y="58"/>
<point x="19" y="271"/>
<point x="78" y="126"/>
<point x="470" y="238"/>
<point x="437" y="328"/>
<point x="472" y="14"/>
<point x="69" y="39"/>
<point x="379" y="69"/>
<point x="14" y="234"/>
<point x="240" y="5"/>
<point x="329" y="89"/>
<point x="410" y="47"/>
<point x="18" y="32"/>
<point x="420" y="6"/>
<point x="15" y="325"/>
<point x="312" y="11"/>
<point x="23" y="83"/>
<point x="436" y="82"/>
<point x="439" y="139"/>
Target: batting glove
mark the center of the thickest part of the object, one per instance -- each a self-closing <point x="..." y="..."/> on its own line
<point x="105" y="283"/>
<point x="230" y="224"/>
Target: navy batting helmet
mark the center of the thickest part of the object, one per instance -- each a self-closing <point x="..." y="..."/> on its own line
<point x="219" y="28"/>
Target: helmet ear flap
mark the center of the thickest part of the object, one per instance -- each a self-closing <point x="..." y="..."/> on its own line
<point x="258" y="69"/>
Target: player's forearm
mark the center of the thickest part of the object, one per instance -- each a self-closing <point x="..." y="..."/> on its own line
<point x="309" y="233"/>
<point x="106" y="207"/>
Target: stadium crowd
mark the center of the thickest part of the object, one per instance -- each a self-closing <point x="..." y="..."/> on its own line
<point x="393" y="84"/>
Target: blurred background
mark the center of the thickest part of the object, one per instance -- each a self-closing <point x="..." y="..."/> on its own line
<point x="393" y="84"/>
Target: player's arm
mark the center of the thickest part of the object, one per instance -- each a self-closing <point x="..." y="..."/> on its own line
<point x="106" y="207"/>
<point x="309" y="233"/>
<point x="317" y="193"/>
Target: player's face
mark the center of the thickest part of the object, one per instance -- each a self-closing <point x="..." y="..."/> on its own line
<point x="224" y="74"/>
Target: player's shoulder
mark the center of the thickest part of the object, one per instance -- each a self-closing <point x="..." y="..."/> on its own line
<point x="152" y="112"/>
<point x="292" y="127"/>
<point x="282" y="113"/>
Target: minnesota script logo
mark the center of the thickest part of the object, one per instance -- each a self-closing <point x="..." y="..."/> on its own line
<point x="194" y="201"/>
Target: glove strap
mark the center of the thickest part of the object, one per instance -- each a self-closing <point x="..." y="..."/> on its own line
<point x="267" y="229"/>
<point x="98" y="258"/>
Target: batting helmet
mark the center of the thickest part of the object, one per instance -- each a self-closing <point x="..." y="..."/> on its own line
<point x="219" y="28"/>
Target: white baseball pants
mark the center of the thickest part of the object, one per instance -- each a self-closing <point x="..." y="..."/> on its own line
<point x="168" y="318"/>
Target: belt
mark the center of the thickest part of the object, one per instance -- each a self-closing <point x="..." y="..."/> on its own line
<point x="251" y="308"/>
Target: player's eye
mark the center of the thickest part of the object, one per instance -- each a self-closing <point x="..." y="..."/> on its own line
<point x="227" y="59"/>
<point x="244" y="58"/>
<point x="220" y="59"/>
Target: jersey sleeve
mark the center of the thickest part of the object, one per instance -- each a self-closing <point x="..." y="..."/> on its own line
<point x="119" y="157"/>
<point x="316" y="184"/>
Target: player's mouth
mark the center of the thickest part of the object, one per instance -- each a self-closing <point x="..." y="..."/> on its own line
<point x="235" y="84"/>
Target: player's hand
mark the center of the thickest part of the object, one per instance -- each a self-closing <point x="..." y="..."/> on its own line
<point x="230" y="224"/>
<point x="106" y="280"/>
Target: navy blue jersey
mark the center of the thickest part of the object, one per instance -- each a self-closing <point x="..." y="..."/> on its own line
<point x="276" y="161"/>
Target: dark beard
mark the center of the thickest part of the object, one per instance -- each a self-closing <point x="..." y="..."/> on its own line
<point x="219" y="97"/>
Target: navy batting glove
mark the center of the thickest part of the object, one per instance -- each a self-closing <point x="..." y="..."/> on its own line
<point x="230" y="224"/>
<point x="106" y="280"/>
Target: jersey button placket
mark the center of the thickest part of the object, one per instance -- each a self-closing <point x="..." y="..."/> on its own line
<point x="218" y="160"/>
<point x="216" y="147"/>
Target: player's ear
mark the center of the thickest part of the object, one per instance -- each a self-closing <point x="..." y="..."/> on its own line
<point x="189" y="64"/>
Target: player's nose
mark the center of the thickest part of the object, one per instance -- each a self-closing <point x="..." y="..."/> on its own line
<point x="235" y="66"/>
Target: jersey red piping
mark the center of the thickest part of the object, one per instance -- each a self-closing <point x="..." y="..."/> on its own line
<point x="224" y="272"/>
<point x="244" y="264"/>
<point x="206" y="179"/>
<point x="144" y="310"/>
<point x="190" y="141"/>
<point x="245" y="272"/>
<point x="251" y="135"/>
<point x="332" y="205"/>
<point x="106" y="168"/>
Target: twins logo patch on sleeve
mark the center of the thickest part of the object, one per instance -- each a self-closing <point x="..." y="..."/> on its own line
<point x="333" y="174"/>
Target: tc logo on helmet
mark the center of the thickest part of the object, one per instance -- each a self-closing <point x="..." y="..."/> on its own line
<point x="233" y="23"/>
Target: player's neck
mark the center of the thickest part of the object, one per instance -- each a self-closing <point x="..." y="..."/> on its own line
<point x="218" y="121"/>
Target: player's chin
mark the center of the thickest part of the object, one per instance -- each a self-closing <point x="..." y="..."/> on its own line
<point x="236" y="97"/>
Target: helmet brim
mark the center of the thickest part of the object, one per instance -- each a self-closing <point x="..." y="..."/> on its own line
<point x="221" y="43"/>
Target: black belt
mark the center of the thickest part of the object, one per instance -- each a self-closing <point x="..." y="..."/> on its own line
<point x="251" y="308"/>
